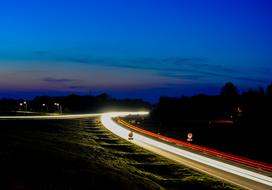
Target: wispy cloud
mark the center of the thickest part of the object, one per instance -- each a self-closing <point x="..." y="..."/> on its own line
<point x="183" y="60"/>
<point x="188" y="68"/>
<point x="84" y="60"/>
<point x="166" y="64"/>
<point x="180" y="76"/>
<point x="58" y="80"/>
<point x="77" y="87"/>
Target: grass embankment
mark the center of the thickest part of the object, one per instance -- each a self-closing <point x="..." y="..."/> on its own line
<point x="81" y="154"/>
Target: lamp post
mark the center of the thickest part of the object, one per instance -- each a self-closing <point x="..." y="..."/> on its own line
<point x="45" y="107"/>
<point x="25" y="103"/>
<point x="21" y="105"/>
<point x="59" y="109"/>
<point x="57" y="106"/>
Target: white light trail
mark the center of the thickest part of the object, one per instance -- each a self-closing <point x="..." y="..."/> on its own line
<point x="139" y="139"/>
<point x="106" y="119"/>
<point x="74" y="116"/>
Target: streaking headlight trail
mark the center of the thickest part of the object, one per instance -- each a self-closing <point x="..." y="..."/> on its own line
<point x="139" y="139"/>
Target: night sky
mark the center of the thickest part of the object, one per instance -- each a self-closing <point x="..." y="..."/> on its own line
<point x="134" y="49"/>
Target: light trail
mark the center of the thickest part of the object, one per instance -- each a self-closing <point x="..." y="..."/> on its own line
<point x="245" y="161"/>
<point x="225" y="171"/>
<point x="72" y="116"/>
<point x="140" y="140"/>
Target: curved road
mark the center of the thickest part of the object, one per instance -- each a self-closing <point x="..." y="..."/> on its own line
<point x="231" y="173"/>
<point x="223" y="170"/>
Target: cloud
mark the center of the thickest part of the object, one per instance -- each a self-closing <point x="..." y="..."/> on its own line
<point x="58" y="80"/>
<point x="137" y="63"/>
<point x="255" y="80"/>
<point x="183" y="60"/>
<point x="181" y="76"/>
<point x="188" y="68"/>
<point x="168" y="69"/>
<point x="174" y="64"/>
<point x="76" y="87"/>
<point x="194" y="69"/>
<point x="200" y="75"/>
<point x="84" y="60"/>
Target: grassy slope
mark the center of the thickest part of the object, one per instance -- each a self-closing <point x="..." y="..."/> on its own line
<point x="75" y="154"/>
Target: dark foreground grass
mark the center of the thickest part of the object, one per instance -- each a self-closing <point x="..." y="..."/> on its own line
<point x="76" y="154"/>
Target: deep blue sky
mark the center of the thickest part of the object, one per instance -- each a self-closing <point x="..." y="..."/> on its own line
<point x="142" y="48"/>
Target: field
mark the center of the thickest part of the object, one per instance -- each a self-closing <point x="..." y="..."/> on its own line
<point x="82" y="154"/>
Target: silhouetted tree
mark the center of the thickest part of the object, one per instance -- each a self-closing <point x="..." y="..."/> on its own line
<point x="254" y="93"/>
<point x="229" y="90"/>
<point x="269" y="91"/>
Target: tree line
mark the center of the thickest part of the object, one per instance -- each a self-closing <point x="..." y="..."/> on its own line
<point x="229" y="104"/>
<point x="72" y="104"/>
<point x="243" y="124"/>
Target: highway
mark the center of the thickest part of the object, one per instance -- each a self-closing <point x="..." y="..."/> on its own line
<point x="224" y="170"/>
<point x="231" y="173"/>
<point x="260" y="166"/>
<point x="72" y="116"/>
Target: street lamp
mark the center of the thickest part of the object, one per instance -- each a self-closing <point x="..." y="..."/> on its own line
<point x="25" y="103"/>
<point x="21" y="105"/>
<point x="58" y="107"/>
<point x="45" y="107"/>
